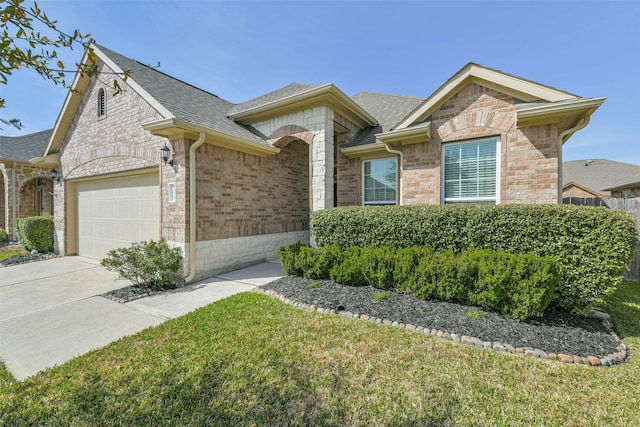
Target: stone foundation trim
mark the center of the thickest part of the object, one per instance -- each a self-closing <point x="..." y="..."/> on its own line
<point x="214" y="257"/>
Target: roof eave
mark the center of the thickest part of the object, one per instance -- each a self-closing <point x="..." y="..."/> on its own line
<point x="175" y="128"/>
<point x="566" y="114"/>
<point x="365" y="151"/>
<point x="405" y="136"/>
<point x="328" y="94"/>
<point x="517" y="87"/>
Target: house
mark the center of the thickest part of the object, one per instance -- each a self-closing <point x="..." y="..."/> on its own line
<point x="230" y="183"/>
<point x="600" y="178"/>
<point x="25" y="188"/>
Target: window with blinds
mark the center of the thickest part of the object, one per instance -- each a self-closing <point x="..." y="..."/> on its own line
<point x="470" y="171"/>
<point x="380" y="178"/>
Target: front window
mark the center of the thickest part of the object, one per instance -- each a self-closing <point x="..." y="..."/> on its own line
<point x="380" y="182"/>
<point x="470" y="172"/>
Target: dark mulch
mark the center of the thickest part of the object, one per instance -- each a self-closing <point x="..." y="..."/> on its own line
<point x="557" y="332"/>
<point x="28" y="257"/>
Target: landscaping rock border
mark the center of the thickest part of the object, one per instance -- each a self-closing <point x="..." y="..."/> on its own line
<point x="620" y="354"/>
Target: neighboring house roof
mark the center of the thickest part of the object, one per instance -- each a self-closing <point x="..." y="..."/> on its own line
<point x="599" y="175"/>
<point x="631" y="182"/>
<point x="24" y="147"/>
<point x="387" y="109"/>
<point x="568" y="185"/>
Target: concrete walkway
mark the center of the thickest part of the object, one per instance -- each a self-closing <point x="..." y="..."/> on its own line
<point x="51" y="311"/>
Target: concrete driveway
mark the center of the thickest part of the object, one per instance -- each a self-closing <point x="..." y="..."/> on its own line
<point x="51" y="311"/>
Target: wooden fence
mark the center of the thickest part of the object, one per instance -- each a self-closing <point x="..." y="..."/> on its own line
<point x="633" y="207"/>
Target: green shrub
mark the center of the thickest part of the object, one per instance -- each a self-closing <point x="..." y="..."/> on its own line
<point x="519" y="286"/>
<point x="350" y="270"/>
<point x="378" y="267"/>
<point x="592" y="245"/>
<point x="4" y="236"/>
<point x="35" y="233"/>
<point x="288" y="259"/>
<point x="150" y="265"/>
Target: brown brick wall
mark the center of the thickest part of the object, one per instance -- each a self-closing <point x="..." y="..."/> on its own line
<point x="349" y="174"/>
<point x="528" y="157"/>
<point x="243" y="195"/>
<point x="573" y="191"/>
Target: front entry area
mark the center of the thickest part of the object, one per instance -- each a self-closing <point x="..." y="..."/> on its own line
<point x="115" y="212"/>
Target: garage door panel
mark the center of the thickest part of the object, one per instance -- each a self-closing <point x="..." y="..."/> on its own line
<point x="116" y="212"/>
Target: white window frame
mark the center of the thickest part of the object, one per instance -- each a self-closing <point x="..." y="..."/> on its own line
<point x="497" y="140"/>
<point x="394" y="202"/>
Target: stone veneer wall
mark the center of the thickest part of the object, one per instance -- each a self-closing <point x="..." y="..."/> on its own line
<point x="110" y="144"/>
<point x="528" y="157"/>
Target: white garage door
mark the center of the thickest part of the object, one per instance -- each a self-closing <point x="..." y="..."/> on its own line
<point x="113" y="213"/>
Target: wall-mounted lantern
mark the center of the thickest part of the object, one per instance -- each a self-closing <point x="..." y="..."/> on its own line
<point x="166" y="152"/>
<point x="54" y="175"/>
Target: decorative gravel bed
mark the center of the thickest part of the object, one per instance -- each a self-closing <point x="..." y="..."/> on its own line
<point x="129" y="293"/>
<point x="558" y="335"/>
<point x="25" y="258"/>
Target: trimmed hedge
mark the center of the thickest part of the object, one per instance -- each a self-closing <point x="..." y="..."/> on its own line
<point x="593" y="245"/>
<point x="518" y="286"/>
<point x="35" y="233"/>
<point x="4" y="236"/>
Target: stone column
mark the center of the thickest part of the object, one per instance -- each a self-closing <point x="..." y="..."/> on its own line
<point x="322" y="163"/>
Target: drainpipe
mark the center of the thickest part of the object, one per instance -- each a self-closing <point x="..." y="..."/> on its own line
<point x="399" y="153"/>
<point x="192" y="207"/>
<point x="561" y="140"/>
<point x="14" y="208"/>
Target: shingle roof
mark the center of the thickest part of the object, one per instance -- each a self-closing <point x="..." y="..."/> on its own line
<point x="598" y="174"/>
<point x="387" y="109"/>
<point x="289" y="90"/>
<point x="24" y="147"/>
<point x="184" y="101"/>
<point x="630" y="182"/>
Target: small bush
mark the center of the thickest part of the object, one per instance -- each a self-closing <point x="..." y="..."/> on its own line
<point x="149" y="265"/>
<point x="288" y="257"/>
<point x="35" y="233"/>
<point x="350" y="270"/>
<point x="4" y="236"/>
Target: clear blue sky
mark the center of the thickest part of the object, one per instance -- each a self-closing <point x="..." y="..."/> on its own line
<point x="240" y="50"/>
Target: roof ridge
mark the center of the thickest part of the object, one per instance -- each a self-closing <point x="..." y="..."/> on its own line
<point x="155" y="69"/>
<point x="387" y="94"/>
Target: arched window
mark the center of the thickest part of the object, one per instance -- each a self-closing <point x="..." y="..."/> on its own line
<point x="101" y="103"/>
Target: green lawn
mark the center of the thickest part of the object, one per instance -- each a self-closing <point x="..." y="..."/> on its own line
<point x="251" y="360"/>
<point x="8" y="253"/>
